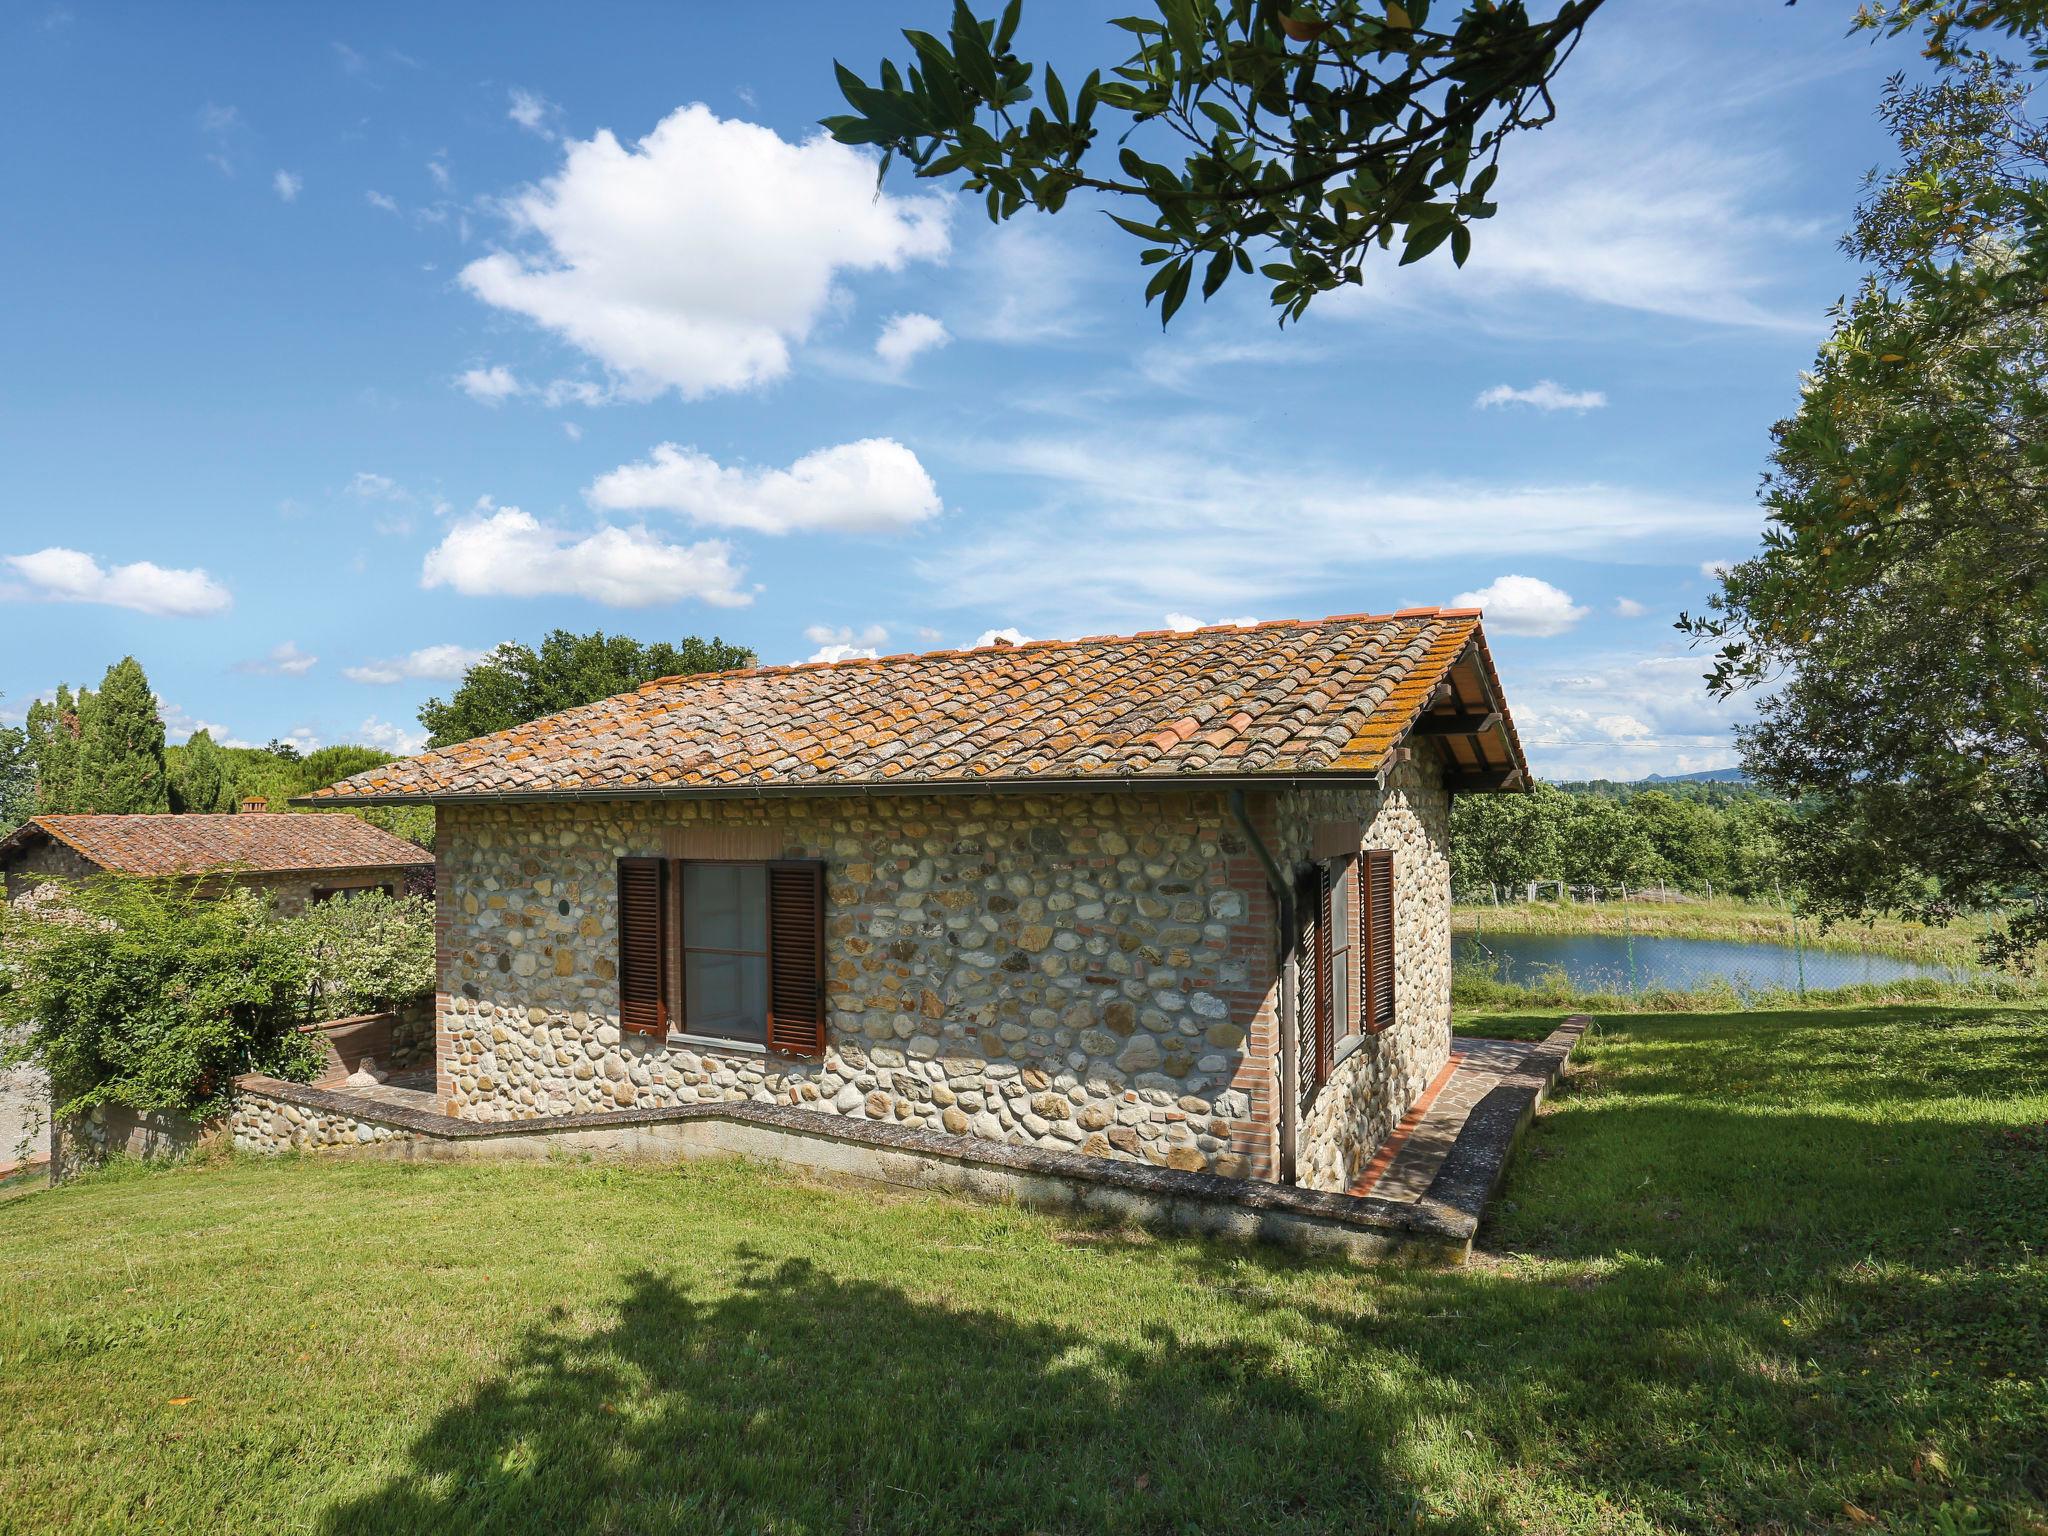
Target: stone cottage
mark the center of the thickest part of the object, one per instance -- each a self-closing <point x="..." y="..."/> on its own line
<point x="1176" y="896"/>
<point x="298" y="859"/>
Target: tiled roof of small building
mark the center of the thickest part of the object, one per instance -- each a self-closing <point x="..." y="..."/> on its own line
<point x="1293" y="699"/>
<point x="254" y="844"/>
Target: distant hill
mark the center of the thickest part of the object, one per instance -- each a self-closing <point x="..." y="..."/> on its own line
<point x="1704" y="776"/>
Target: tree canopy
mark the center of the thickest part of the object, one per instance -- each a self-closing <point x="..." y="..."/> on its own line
<point x="1896" y="619"/>
<point x="1308" y="132"/>
<point x="201" y="779"/>
<point x="517" y="683"/>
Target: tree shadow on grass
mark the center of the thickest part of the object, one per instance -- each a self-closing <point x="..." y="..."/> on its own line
<point x="801" y="1401"/>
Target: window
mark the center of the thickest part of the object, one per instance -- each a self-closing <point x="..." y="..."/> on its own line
<point x="1346" y="960"/>
<point x="723" y="949"/>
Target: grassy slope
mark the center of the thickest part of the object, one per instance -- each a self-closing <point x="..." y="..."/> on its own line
<point x="1749" y="1272"/>
<point x="1734" y="921"/>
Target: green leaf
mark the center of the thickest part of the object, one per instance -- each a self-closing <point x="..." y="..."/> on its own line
<point x="1176" y="291"/>
<point x="1461" y="244"/>
<point x="1219" y="269"/>
<point x="1424" y="240"/>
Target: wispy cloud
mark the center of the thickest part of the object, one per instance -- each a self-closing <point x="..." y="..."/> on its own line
<point x="1544" y="395"/>
<point x="284" y="659"/>
<point x="287" y="185"/>
<point x="1119" y="529"/>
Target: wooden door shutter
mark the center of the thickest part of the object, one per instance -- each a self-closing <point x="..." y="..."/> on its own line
<point x="643" y="926"/>
<point x="796" y="959"/>
<point x="1376" y="939"/>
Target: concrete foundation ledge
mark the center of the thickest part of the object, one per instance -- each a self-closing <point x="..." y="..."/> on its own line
<point x="1473" y="1168"/>
<point x="271" y="1115"/>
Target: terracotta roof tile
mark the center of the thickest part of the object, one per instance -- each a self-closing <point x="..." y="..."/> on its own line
<point x="1295" y="698"/>
<point x="260" y="844"/>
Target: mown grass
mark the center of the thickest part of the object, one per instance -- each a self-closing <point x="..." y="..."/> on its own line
<point x="1474" y="993"/>
<point x="1736" y="922"/>
<point x="1750" y="1272"/>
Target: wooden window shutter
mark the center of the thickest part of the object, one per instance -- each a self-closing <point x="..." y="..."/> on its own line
<point x="643" y="928"/>
<point x="796" y="959"/>
<point x="1312" y="1004"/>
<point x="1327" y="874"/>
<point x="1376" y="939"/>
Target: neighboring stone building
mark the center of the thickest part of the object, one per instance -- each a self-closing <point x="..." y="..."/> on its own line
<point x="1181" y="897"/>
<point x="298" y="859"/>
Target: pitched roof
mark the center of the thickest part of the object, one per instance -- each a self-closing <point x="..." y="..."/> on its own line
<point x="258" y="844"/>
<point x="1296" y="699"/>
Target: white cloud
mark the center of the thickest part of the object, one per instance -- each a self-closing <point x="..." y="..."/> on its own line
<point x="1010" y="633"/>
<point x="1026" y="282"/>
<point x="1523" y="605"/>
<point x="505" y="552"/>
<point x="841" y="652"/>
<point x="1187" y="621"/>
<point x="1165" y="516"/>
<point x="388" y="737"/>
<point x="282" y="660"/>
<point x="846" y="634"/>
<point x="60" y="575"/>
<point x="561" y="392"/>
<point x="1624" y="717"/>
<point x="1628" y="608"/>
<point x="227" y="133"/>
<point x="873" y="486"/>
<point x="436" y="662"/>
<point x="572" y="431"/>
<point x="533" y="113"/>
<point x="490" y="385"/>
<point x="1606" y="208"/>
<point x="287" y="185"/>
<point x="375" y="487"/>
<point x="694" y="258"/>
<point x="381" y="200"/>
<point x="905" y="336"/>
<point x="1544" y="395"/>
<point x="438" y="169"/>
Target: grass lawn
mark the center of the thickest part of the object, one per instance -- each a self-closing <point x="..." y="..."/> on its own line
<point x="1750" y="1272"/>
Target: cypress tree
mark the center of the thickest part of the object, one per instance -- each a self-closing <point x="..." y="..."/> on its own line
<point x="53" y="751"/>
<point x="202" y="781"/>
<point x="121" y="749"/>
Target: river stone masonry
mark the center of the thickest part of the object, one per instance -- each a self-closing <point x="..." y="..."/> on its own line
<point x="1087" y="972"/>
<point x="1371" y="1087"/>
<point x="259" y="1123"/>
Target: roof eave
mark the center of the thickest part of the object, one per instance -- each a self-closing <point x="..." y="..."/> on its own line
<point x="1371" y="779"/>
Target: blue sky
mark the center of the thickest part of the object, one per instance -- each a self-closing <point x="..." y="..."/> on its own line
<point x="344" y="343"/>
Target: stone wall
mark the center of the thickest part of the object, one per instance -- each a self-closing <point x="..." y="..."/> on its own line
<point x="260" y="1123"/>
<point x="1090" y="972"/>
<point x="1371" y="1087"/>
<point x="47" y="860"/>
<point x="1083" y="972"/>
<point x="43" y="860"/>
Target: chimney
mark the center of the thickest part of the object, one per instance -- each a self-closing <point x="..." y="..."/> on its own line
<point x="253" y="805"/>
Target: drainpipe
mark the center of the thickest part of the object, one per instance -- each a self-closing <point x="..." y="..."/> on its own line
<point x="1283" y="900"/>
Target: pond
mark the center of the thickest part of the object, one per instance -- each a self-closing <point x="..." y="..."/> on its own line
<point x="1602" y="962"/>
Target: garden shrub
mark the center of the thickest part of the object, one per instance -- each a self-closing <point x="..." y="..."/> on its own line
<point x="150" y="994"/>
<point x="366" y="951"/>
